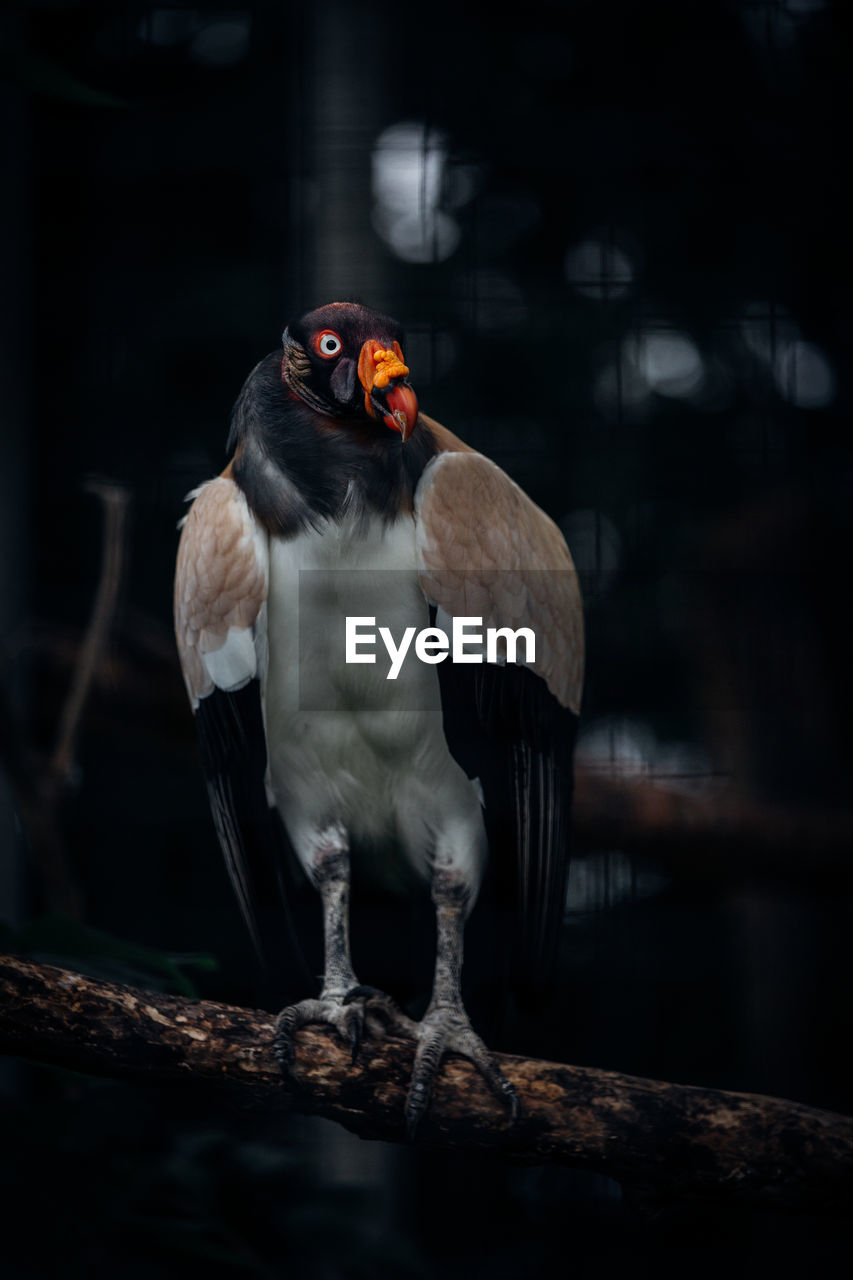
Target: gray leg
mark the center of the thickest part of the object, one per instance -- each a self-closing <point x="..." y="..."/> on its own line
<point x="333" y="879"/>
<point x="445" y="1026"/>
<point x="331" y="873"/>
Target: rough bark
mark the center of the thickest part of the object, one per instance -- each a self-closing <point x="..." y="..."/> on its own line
<point x="654" y="1135"/>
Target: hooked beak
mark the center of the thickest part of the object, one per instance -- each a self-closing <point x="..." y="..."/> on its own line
<point x="382" y="373"/>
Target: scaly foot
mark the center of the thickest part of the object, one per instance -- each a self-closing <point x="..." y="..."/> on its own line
<point x="347" y="1012"/>
<point x="446" y="1029"/>
<point x="329" y="1010"/>
<point x="443" y="1029"/>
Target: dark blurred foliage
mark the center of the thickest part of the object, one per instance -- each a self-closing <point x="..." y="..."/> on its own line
<point x="619" y="237"/>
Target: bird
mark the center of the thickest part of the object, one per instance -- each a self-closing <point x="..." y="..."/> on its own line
<point x="344" y="505"/>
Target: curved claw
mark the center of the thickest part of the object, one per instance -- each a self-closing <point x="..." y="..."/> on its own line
<point x="416" y="1105"/>
<point x="513" y="1101"/>
<point x="384" y="1007"/>
<point x="356" y="1026"/>
<point x="362" y="992"/>
<point x="327" y="1011"/>
<point x="345" y="1013"/>
<point x="448" y="1030"/>
<point x="282" y="1045"/>
<point x="288" y="1023"/>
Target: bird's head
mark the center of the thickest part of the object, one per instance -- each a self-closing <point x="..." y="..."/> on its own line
<point x="347" y="361"/>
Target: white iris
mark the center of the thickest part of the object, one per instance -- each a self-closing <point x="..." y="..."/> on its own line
<point x="330" y="344"/>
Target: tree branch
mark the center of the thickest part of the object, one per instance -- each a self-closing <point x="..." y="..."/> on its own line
<point x="723" y="835"/>
<point x="115" y="500"/>
<point x="39" y="784"/>
<point x="667" y="1137"/>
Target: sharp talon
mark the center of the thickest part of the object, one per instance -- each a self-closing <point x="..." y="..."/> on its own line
<point x="362" y="993"/>
<point x="283" y="1047"/>
<point x="412" y="1121"/>
<point x="382" y="1011"/>
<point x="327" y="1011"/>
<point x="416" y="1105"/>
<point x="447" y="1030"/>
<point x="514" y="1102"/>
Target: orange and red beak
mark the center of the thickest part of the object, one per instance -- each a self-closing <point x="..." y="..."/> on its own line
<point x="382" y="372"/>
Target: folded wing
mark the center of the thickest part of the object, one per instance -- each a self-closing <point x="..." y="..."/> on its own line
<point x="485" y="550"/>
<point x="221" y="585"/>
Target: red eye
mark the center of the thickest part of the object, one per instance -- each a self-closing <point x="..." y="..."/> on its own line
<point x="328" y="343"/>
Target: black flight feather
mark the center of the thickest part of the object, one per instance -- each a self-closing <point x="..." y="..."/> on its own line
<point x="258" y="853"/>
<point x="504" y="727"/>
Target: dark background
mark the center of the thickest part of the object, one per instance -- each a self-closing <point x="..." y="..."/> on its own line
<point x="619" y="238"/>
